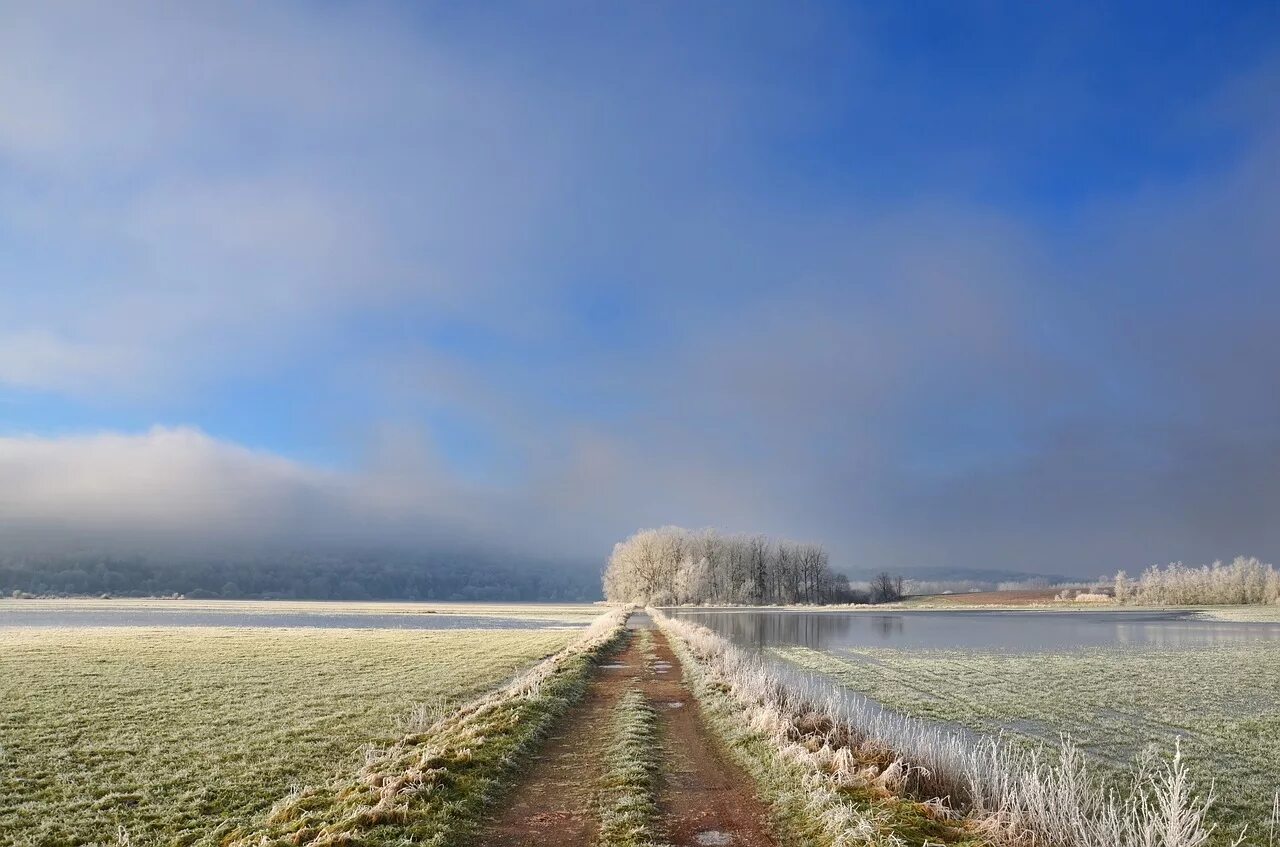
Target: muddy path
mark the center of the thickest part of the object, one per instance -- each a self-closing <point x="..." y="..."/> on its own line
<point x="704" y="798"/>
<point x="553" y="803"/>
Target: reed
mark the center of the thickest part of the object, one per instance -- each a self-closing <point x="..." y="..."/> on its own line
<point x="1011" y="794"/>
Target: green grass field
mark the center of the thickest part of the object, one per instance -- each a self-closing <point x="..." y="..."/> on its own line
<point x="1222" y="701"/>
<point x="179" y="735"/>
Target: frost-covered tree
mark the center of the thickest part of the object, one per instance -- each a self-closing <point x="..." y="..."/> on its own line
<point x="1244" y="581"/>
<point x="675" y="565"/>
<point x="694" y="582"/>
<point x="1124" y="588"/>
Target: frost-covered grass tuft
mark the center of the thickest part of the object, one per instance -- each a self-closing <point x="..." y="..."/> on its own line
<point x="1273" y="833"/>
<point x="1115" y="703"/>
<point x="628" y="804"/>
<point x="1012" y="793"/>
<point x="825" y="789"/>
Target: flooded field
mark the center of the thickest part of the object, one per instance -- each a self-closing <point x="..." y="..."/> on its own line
<point x="1016" y="631"/>
<point x="268" y="614"/>
<point x="1116" y="682"/>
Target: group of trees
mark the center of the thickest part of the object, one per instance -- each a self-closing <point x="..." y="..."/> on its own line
<point x="885" y="588"/>
<point x="672" y="565"/>
<point x="302" y="576"/>
<point x="1244" y="581"/>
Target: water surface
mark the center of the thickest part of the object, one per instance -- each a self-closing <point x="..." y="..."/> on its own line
<point x="133" y="616"/>
<point x="1006" y="631"/>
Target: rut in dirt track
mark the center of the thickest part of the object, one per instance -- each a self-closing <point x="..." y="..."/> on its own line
<point x="704" y="798"/>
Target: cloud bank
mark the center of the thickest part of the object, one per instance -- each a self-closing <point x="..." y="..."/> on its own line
<point x="292" y="275"/>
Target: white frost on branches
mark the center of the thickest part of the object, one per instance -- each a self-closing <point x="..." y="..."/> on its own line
<point x="1246" y="581"/>
<point x="675" y="565"/>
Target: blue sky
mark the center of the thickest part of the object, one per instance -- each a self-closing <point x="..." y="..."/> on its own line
<point x="968" y="284"/>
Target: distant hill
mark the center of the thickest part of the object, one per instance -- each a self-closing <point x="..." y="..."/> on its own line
<point x="304" y="576"/>
<point x="987" y="578"/>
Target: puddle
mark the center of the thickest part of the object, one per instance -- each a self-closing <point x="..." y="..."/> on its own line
<point x="613" y="666"/>
<point x="675" y="704"/>
<point x="713" y="838"/>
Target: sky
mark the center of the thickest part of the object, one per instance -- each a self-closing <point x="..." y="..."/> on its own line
<point x="971" y="285"/>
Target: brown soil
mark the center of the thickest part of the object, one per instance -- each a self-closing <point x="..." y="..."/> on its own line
<point x="1024" y="597"/>
<point x="702" y="792"/>
<point x="552" y="804"/>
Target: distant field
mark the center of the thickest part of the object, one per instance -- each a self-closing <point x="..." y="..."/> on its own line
<point x="1042" y="598"/>
<point x="1241" y="614"/>
<point x="179" y="734"/>
<point x="1028" y="597"/>
<point x="568" y="612"/>
<point x="1223" y="701"/>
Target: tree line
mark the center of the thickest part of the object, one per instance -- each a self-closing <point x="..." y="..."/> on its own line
<point x="672" y="565"/>
<point x="302" y="576"/>
<point x="1245" y="581"/>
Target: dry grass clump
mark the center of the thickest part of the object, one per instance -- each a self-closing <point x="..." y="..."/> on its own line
<point x="1006" y="793"/>
<point x="432" y="786"/>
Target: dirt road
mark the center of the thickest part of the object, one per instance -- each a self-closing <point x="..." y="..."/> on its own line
<point x="704" y="798"/>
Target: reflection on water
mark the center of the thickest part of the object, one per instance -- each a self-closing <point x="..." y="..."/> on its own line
<point x="204" y="617"/>
<point x="973" y="630"/>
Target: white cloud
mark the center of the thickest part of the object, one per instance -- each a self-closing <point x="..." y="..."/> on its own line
<point x="38" y="359"/>
<point x="178" y="178"/>
<point x="200" y="195"/>
<point x="162" y="486"/>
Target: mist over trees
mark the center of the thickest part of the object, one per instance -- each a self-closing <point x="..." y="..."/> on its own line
<point x="439" y="575"/>
<point x="1245" y="581"/>
<point x="886" y="588"/>
<point x="672" y="565"/>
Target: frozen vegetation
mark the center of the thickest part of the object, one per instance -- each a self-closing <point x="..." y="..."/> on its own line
<point x="675" y="565"/>
<point x="840" y="765"/>
<point x="824" y="786"/>
<point x="628" y="805"/>
<point x="179" y="735"/>
<point x="1241" y="614"/>
<point x="1116" y="705"/>
<point x="434" y="784"/>
<point x="1245" y="581"/>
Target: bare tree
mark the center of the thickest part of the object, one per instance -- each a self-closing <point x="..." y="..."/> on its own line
<point x="758" y="563"/>
<point x="886" y="588"/>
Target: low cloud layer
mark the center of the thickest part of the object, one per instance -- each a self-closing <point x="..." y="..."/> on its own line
<point x="159" y="489"/>
<point x="291" y="276"/>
